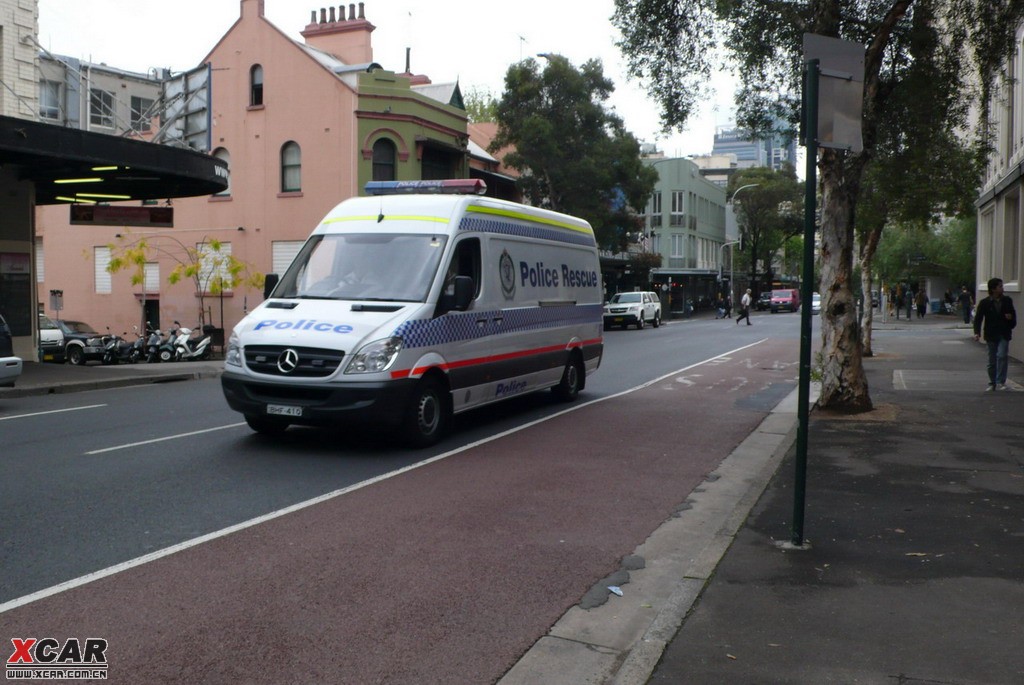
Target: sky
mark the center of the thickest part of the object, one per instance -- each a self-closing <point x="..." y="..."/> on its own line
<point x="471" y="41"/>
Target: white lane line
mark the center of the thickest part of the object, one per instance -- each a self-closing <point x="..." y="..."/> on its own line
<point x="194" y="542"/>
<point x="169" y="437"/>
<point x="52" y="411"/>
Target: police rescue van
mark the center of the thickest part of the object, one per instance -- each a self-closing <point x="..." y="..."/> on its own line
<point x="406" y="308"/>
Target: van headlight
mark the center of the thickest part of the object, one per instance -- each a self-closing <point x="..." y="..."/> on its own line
<point x="234" y="352"/>
<point x="376" y="356"/>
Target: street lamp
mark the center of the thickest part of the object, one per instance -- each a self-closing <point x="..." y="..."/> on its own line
<point x="732" y="203"/>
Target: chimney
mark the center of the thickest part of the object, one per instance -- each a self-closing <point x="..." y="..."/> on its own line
<point x="347" y="39"/>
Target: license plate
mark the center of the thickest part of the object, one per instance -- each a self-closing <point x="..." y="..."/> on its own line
<point x="283" y="410"/>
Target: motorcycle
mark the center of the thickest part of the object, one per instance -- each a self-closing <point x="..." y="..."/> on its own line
<point x="116" y="349"/>
<point x="153" y="343"/>
<point x="165" y="350"/>
<point x="188" y="348"/>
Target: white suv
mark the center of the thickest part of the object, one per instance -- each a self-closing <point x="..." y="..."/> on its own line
<point x="636" y="308"/>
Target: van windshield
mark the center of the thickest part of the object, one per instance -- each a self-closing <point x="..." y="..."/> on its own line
<point x="364" y="266"/>
<point x="623" y="298"/>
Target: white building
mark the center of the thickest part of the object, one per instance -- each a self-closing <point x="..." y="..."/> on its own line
<point x="1000" y="249"/>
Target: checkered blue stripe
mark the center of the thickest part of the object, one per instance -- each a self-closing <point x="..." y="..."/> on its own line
<point x="525" y="230"/>
<point x="463" y="326"/>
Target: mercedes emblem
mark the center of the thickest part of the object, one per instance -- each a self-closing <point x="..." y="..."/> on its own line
<point x="287" y="361"/>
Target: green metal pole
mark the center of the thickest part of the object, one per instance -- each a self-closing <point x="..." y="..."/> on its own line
<point x="806" y="290"/>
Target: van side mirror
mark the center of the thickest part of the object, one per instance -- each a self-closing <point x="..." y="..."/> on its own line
<point x="269" y="283"/>
<point x="465" y="288"/>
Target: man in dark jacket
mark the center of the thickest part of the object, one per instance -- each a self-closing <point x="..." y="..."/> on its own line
<point x="966" y="303"/>
<point x="996" y="314"/>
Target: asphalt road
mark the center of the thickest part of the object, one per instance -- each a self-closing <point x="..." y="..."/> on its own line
<point x="474" y="554"/>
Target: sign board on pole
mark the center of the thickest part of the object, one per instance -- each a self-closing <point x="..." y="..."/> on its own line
<point x="840" y="90"/>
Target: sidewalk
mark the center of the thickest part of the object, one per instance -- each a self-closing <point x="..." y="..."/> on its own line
<point x="38" y="378"/>
<point x="914" y="515"/>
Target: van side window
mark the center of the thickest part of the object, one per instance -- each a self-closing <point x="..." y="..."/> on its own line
<point x="465" y="262"/>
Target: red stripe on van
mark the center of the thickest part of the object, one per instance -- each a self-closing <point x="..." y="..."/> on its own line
<point x="490" y="359"/>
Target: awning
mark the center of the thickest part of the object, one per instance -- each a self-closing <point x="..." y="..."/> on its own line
<point x="46" y="153"/>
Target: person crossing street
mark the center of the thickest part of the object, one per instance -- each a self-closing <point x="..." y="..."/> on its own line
<point x="745" y="303"/>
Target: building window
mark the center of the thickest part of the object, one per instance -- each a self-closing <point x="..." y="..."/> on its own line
<point x="142" y="112"/>
<point x="678" y="216"/>
<point x="291" y="167"/>
<point x="677" y="245"/>
<point x="656" y="209"/>
<point x="255" y="85"/>
<point x="384" y="154"/>
<point x="223" y="155"/>
<point x="40" y="262"/>
<point x="101" y="260"/>
<point x="1011" y="238"/>
<point x="49" y="99"/>
<point x="214" y="267"/>
<point x="151" y="277"/>
<point x="282" y="254"/>
<point x="101" y="108"/>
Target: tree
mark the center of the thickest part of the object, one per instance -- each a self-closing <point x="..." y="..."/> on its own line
<point x="918" y="172"/>
<point x="481" y="105"/>
<point x="769" y="215"/>
<point x="211" y="269"/>
<point x="672" y="44"/>
<point x="574" y="155"/>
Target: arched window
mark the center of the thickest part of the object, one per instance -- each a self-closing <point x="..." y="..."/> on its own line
<point x="223" y="155"/>
<point x="291" y="167"/>
<point x="255" y="85"/>
<point x="384" y="154"/>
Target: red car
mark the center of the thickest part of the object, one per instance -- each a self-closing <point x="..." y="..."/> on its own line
<point x="785" y="300"/>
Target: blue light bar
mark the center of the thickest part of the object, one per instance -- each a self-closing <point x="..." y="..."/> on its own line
<point x="455" y="186"/>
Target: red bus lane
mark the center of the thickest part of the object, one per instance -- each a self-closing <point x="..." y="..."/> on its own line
<point x="446" y="573"/>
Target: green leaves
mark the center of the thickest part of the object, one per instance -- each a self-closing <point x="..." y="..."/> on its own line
<point x="574" y="155"/>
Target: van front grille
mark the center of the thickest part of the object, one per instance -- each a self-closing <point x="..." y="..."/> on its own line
<point x="306" y="362"/>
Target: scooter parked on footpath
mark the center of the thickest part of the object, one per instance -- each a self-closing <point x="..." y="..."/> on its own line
<point x="153" y="344"/>
<point x="117" y="349"/>
<point x="165" y="352"/>
<point x="188" y="348"/>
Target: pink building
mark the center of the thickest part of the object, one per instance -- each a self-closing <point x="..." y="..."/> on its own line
<point x="302" y="125"/>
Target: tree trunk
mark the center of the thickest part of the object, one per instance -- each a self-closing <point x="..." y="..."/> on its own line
<point x="844" y="386"/>
<point x="867" y="258"/>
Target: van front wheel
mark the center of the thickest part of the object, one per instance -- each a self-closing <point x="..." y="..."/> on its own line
<point x="428" y="415"/>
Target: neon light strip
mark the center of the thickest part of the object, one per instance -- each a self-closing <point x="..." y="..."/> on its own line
<point x="529" y="217"/>
<point x="419" y="371"/>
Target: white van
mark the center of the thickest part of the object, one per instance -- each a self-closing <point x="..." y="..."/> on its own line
<point x="405" y="308"/>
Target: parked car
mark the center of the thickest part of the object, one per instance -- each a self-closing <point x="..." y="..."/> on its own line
<point x="51" y="340"/>
<point x="764" y="301"/>
<point x="632" y="309"/>
<point x="785" y="300"/>
<point x="81" y="342"/>
<point x="815" y="303"/>
<point x="10" y="366"/>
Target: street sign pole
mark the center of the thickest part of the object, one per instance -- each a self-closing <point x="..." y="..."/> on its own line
<point x="806" y="289"/>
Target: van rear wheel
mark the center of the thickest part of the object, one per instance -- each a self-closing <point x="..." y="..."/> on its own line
<point x="568" y="389"/>
<point x="429" y="413"/>
<point x="657" y="320"/>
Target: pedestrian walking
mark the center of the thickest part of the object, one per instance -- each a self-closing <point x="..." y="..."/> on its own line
<point x="966" y="303"/>
<point x="922" y="303"/>
<point x="909" y="302"/>
<point x="745" y="303"/>
<point x="720" y="307"/>
<point x="997" y="318"/>
<point x="897" y="301"/>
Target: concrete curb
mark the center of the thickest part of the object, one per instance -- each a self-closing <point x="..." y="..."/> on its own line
<point x="62" y="387"/>
<point x="622" y="641"/>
